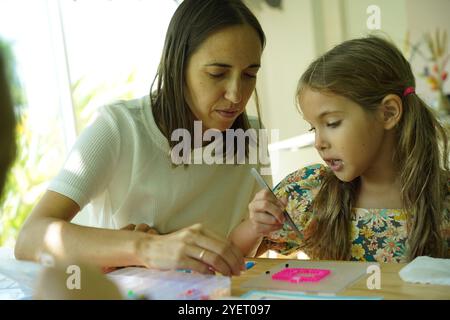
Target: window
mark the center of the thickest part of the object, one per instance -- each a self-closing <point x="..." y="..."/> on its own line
<point x="72" y="56"/>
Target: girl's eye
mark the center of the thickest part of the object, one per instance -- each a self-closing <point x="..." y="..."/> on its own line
<point x="334" y="124"/>
<point x="312" y="129"/>
<point x="253" y="76"/>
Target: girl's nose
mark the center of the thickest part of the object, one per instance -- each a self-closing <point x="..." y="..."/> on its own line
<point x="320" y="143"/>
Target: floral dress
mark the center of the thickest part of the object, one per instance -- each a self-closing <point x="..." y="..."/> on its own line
<point x="376" y="234"/>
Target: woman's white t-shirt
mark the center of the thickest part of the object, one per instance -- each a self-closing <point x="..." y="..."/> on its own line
<point x="121" y="166"/>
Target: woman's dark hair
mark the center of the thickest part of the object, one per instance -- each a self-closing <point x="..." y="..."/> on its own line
<point x="192" y="23"/>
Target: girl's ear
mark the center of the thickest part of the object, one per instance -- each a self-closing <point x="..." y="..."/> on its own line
<point x="391" y="110"/>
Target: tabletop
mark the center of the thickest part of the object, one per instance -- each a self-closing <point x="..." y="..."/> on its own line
<point x="392" y="286"/>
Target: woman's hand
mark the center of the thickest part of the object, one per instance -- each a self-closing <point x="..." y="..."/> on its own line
<point x="266" y="213"/>
<point x="142" y="227"/>
<point x="191" y="248"/>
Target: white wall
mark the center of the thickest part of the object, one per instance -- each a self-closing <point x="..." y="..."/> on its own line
<point x="290" y="48"/>
<point x="393" y="18"/>
<point x="288" y="51"/>
<point x="427" y="16"/>
<point x="402" y="19"/>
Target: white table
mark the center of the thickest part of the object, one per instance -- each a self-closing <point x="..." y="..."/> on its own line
<point x="12" y="272"/>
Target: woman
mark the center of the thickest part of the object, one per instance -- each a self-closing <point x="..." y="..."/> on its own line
<point x="121" y="165"/>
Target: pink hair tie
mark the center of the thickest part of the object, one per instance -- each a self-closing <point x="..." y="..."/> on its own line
<point x="408" y="91"/>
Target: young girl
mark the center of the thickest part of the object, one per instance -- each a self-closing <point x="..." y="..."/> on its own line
<point x="385" y="192"/>
<point x="121" y="165"/>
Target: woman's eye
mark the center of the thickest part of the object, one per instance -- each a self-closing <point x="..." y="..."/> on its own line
<point x="312" y="129"/>
<point x="248" y="75"/>
<point x="334" y="124"/>
<point x="216" y="75"/>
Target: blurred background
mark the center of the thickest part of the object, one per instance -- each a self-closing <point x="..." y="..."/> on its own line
<point x="72" y="56"/>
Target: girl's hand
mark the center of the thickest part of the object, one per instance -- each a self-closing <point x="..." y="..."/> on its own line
<point x="192" y="248"/>
<point x="266" y="213"/>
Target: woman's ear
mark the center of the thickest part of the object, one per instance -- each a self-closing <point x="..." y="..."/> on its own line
<point x="391" y="109"/>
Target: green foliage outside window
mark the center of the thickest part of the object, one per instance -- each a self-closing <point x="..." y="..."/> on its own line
<point x="26" y="183"/>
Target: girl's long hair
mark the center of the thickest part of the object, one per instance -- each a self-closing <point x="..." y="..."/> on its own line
<point x="365" y="71"/>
